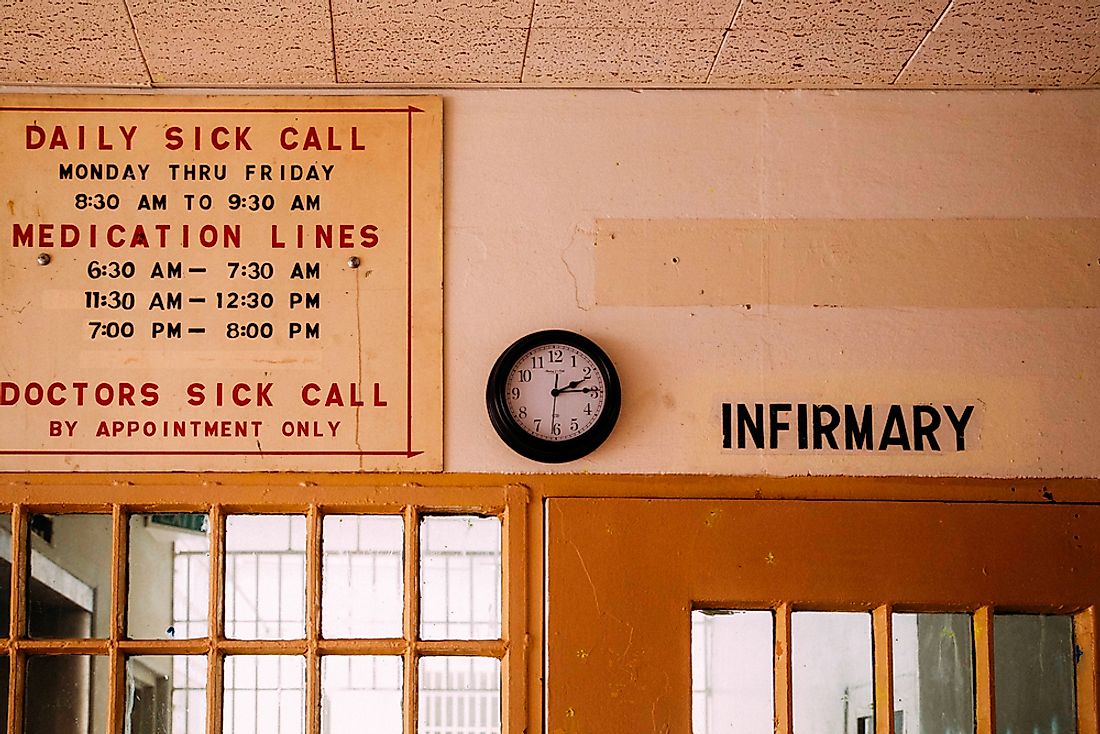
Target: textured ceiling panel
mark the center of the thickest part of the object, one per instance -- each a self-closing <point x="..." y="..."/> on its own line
<point x="1036" y="59"/>
<point x="1015" y="43"/>
<point x="777" y="15"/>
<point x="807" y="43"/>
<point x="430" y="42"/>
<point x="613" y="43"/>
<point x="621" y="56"/>
<point x="1072" y="17"/>
<point x="430" y="53"/>
<point x="235" y="41"/>
<point x="758" y="57"/>
<point x="465" y="13"/>
<point x="67" y="42"/>
<point x="713" y="14"/>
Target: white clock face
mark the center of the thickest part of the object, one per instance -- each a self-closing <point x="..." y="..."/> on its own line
<point x="555" y="392"/>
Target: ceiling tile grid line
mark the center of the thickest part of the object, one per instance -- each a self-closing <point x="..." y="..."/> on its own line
<point x="928" y="35"/>
<point x="717" y="55"/>
<point x="332" y="31"/>
<point x="527" y="41"/>
<point x="137" y="40"/>
<point x="725" y="37"/>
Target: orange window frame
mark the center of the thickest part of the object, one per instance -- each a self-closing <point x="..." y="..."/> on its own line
<point x="229" y="495"/>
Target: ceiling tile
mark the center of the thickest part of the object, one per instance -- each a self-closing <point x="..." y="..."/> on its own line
<point x="235" y="41"/>
<point x="1073" y="17"/>
<point x="464" y="13"/>
<point x="62" y="42"/>
<point x="1010" y="59"/>
<point x="426" y="53"/>
<point x="821" y="58"/>
<point x="634" y="13"/>
<point x="624" y="56"/>
<point x="785" y="15"/>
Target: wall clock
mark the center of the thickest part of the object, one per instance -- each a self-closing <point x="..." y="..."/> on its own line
<point x="553" y="396"/>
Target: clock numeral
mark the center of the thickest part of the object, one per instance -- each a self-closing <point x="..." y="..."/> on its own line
<point x="588" y="409"/>
<point x="538" y="425"/>
<point x="555" y="428"/>
<point x="574" y="425"/>
<point x="523" y="411"/>
<point x="536" y="363"/>
<point x="594" y="392"/>
<point x="525" y="375"/>
<point x="587" y="372"/>
<point x="514" y="392"/>
<point x="557" y="356"/>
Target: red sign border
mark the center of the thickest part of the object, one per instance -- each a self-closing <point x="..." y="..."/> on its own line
<point x="408" y="110"/>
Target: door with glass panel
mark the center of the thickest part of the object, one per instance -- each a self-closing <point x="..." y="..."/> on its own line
<point x="821" y="617"/>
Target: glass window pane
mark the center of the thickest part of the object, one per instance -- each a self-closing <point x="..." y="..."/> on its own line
<point x="5" y="581"/>
<point x="831" y="673"/>
<point x="459" y="694"/>
<point x="1033" y="674"/>
<point x="265" y="577"/>
<point x="5" y="678"/>
<point x="732" y="672"/>
<point x="66" y="694"/>
<point x="363" y="576"/>
<point x="933" y="674"/>
<point x="358" y="688"/>
<point x="264" y="694"/>
<point x="166" y="694"/>
<point x="169" y="576"/>
<point x="460" y="578"/>
<point x="69" y="594"/>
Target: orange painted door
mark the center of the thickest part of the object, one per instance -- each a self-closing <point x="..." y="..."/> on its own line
<point x="625" y="575"/>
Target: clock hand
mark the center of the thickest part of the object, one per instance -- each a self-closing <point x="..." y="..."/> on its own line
<point x="571" y="385"/>
<point x="554" y="406"/>
<point x="584" y="389"/>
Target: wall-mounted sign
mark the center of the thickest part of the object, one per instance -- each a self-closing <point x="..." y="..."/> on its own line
<point x="794" y="426"/>
<point x="220" y="283"/>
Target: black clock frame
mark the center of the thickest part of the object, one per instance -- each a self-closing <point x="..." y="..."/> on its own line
<point x="538" y="449"/>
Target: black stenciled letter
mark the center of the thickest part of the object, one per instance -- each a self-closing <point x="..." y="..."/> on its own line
<point x="745" y="421"/>
<point x="777" y="425"/>
<point x="922" y="431"/>
<point x="959" y="424"/>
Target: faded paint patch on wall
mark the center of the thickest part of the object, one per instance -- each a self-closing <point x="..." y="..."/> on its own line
<point x="882" y="263"/>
